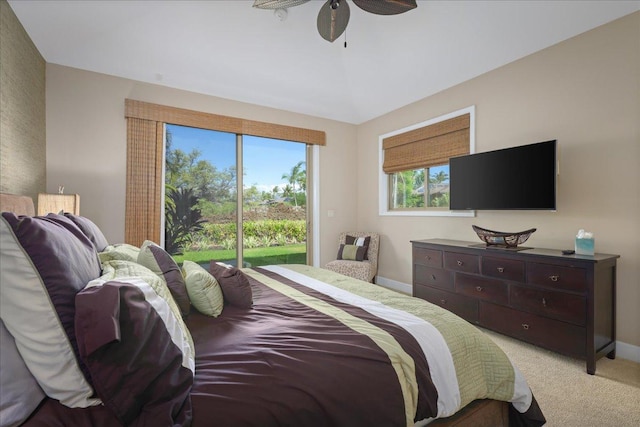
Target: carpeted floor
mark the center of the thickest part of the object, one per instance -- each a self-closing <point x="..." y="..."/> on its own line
<point x="568" y="396"/>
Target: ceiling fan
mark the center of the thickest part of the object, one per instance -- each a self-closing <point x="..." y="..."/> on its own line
<point x="334" y="14"/>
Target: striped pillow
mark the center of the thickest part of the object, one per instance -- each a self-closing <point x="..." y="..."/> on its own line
<point x="351" y="252"/>
<point x="160" y="262"/>
<point x="139" y="355"/>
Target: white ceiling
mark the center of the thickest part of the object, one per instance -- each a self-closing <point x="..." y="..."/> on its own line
<point x="231" y="50"/>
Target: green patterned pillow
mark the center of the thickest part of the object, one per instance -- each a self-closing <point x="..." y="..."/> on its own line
<point x="203" y="289"/>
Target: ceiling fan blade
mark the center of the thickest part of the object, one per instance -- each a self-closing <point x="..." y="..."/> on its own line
<point x="333" y="19"/>
<point x="277" y="4"/>
<point x="386" y="7"/>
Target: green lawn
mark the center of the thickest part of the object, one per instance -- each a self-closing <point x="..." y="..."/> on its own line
<point x="289" y="254"/>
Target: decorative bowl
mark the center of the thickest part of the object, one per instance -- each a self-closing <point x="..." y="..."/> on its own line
<point x="501" y="238"/>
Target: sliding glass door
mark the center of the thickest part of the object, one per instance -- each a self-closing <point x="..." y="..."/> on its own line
<point x="205" y="218"/>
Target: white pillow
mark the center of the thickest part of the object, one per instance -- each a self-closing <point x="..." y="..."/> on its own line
<point x="203" y="289"/>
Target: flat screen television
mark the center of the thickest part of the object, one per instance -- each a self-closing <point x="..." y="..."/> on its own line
<point x="516" y="178"/>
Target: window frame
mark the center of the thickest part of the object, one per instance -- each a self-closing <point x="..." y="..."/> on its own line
<point x="144" y="199"/>
<point x="384" y="178"/>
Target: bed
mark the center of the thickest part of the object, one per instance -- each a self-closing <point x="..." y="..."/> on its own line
<point x="97" y="334"/>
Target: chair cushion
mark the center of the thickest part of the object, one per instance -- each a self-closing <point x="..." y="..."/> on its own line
<point x="357" y="269"/>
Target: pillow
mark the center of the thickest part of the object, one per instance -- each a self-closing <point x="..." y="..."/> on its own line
<point x="45" y="262"/>
<point x="203" y="289"/>
<point x="120" y="270"/>
<point x="234" y="283"/>
<point x="160" y="262"/>
<point x="91" y="230"/>
<point x="20" y="393"/>
<point x="359" y="241"/>
<point x="140" y="361"/>
<point x="351" y="252"/>
<point x="121" y="251"/>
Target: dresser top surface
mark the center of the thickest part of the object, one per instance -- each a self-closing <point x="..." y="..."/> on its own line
<point x="521" y="250"/>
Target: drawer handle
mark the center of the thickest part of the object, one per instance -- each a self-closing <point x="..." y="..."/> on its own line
<point x="554" y="278"/>
<point x="428" y="258"/>
<point x="479" y="288"/>
<point x="433" y="277"/>
<point x="544" y="302"/>
<point x="460" y="263"/>
<point x="443" y="301"/>
<point x="525" y="326"/>
<point x="500" y="270"/>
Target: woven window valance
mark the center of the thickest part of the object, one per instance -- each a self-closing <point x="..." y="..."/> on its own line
<point x="427" y="146"/>
<point x="198" y="119"/>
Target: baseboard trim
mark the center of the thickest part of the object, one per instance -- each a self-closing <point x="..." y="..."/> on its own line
<point x="394" y="285"/>
<point x="628" y="351"/>
<point x="623" y="350"/>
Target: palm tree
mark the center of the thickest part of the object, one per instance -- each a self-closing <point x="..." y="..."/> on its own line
<point x="297" y="176"/>
<point x="439" y="177"/>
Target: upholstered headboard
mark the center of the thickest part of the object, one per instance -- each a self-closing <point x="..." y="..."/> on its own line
<point x="20" y="205"/>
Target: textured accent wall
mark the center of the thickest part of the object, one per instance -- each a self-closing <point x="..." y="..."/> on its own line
<point x="22" y="109"/>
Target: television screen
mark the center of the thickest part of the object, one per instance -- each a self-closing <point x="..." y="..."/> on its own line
<point x="514" y="178"/>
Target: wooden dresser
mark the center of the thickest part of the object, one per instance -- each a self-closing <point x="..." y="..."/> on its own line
<point x="565" y="303"/>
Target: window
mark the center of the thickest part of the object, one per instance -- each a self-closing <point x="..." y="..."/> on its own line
<point x="145" y="153"/>
<point x="206" y="170"/>
<point x="414" y="164"/>
<point x="410" y="190"/>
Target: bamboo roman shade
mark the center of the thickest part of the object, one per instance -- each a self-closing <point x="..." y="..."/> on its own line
<point x="145" y="157"/>
<point x="428" y="146"/>
<point x="144" y="181"/>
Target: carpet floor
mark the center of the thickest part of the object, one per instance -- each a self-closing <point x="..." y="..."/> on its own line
<point x="568" y="396"/>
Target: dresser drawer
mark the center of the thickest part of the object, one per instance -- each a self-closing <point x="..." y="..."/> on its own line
<point x="552" y="334"/>
<point x="433" y="277"/>
<point x="428" y="257"/>
<point x="467" y="308"/>
<point x="507" y="269"/>
<point x="462" y="262"/>
<point x="558" y="305"/>
<point x="557" y="276"/>
<point x="479" y="287"/>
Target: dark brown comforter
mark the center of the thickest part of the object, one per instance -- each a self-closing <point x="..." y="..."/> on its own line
<point x="286" y="363"/>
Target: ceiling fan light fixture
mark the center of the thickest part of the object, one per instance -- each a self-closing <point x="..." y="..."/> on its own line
<point x="333" y="19"/>
<point x="386" y="7"/>
<point x="277" y="4"/>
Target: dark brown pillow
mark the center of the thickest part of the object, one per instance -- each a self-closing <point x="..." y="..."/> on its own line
<point x="235" y="285"/>
<point x="351" y="240"/>
<point x="90" y="229"/>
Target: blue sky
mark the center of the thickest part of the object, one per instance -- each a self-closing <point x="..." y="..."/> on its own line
<point x="265" y="160"/>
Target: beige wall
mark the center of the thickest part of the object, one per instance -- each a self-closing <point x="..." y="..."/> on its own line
<point x="583" y="92"/>
<point x="22" y="109"/>
<point x="86" y="146"/>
